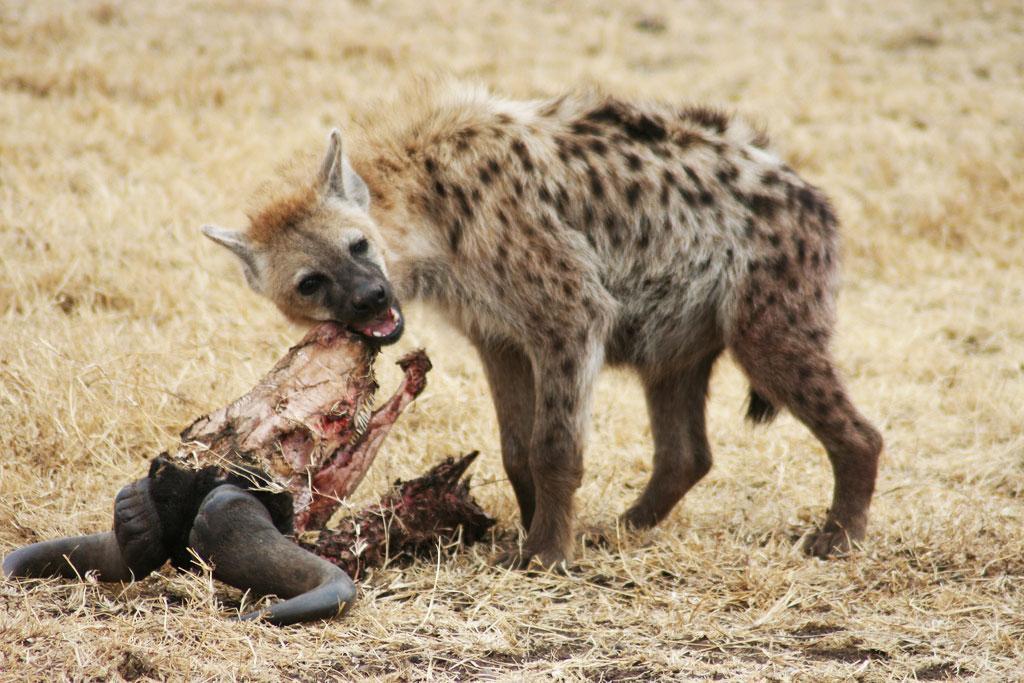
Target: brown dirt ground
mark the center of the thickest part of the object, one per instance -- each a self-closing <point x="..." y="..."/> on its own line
<point x="123" y="127"/>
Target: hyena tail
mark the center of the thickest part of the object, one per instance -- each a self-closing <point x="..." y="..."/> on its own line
<point x="760" y="410"/>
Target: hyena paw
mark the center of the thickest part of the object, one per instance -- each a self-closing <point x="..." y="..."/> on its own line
<point x="138" y="530"/>
<point x="832" y="540"/>
<point x="639" y="517"/>
<point x="522" y="558"/>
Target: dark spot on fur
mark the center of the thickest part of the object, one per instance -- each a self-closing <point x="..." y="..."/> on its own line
<point x="645" y="129"/>
<point x="633" y="161"/>
<point x="779" y="265"/>
<point x="706" y="117"/>
<point x="463" y="201"/>
<point x="664" y="196"/>
<point x="596" y="184"/>
<point x="762" y="205"/>
<point x="748" y="228"/>
<point x="439" y="188"/>
<point x="519" y="148"/>
<point x="612" y="228"/>
<point x="801" y="250"/>
<point x="610" y="112"/>
<point x="455" y="235"/>
<point x="686" y="138"/>
<point x="517" y="187"/>
<point x="687" y="196"/>
<point x="706" y="198"/>
<point x="584" y="128"/>
<point x="568" y="367"/>
<point x="562" y="200"/>
<point x="644" y="239"/>
<point x="692" y="175"/>
<point x="598" y="147"/>
<point x="806" y="199"/>
<point x="774" y="239"/>
<point x="633" y="194"/>
<point x="770" y="178"/>
<point x="727" y="174"/>
<point x="640" y="127"/>
<point x="544" y="194"/>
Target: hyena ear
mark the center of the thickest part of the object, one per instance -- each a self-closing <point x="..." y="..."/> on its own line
<point x="239" y="245"/>
<point x="337" y="177"/>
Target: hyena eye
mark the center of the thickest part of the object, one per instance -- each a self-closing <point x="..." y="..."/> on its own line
<point x="359" y="247"/>
<point x="311" y="284"/>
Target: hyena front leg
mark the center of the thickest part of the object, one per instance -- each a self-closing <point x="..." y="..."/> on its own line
<point x="682" y="456"/>
<point x="510" y="376"/>
<point x="564" y="376"/>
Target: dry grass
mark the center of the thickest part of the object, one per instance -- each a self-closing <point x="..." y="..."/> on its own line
<point x="123" y="127"/>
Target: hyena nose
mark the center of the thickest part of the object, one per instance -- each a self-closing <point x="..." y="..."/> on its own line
<point x="370" y="299"/>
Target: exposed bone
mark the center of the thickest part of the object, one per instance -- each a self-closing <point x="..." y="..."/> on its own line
<point x="307" y="424"/>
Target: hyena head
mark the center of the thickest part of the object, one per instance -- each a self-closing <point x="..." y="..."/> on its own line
<point x="318" y="255"/>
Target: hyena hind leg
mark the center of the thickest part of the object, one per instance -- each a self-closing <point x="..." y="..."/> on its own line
<point x="798" y="373"/>
<point x="682" y="456"/>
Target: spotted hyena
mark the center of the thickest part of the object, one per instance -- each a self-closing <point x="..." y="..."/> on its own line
<point x="562" y="234"/>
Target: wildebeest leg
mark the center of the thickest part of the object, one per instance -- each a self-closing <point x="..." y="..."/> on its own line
<point x="510" y="376"/>
<point x="682" y="456"/>
<point x="131" y="551"/>
<point x="233" y="532"/>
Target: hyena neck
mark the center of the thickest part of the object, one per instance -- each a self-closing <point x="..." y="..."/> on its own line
<point x="414" y="253"/>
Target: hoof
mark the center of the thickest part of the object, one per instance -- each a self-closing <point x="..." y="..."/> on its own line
<point x="138" y="529"/>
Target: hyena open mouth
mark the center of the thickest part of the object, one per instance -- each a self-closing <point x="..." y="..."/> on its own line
<point x="385" y="329"/>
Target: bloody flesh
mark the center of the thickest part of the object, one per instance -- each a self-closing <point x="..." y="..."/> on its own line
<point x="308" y="426"/>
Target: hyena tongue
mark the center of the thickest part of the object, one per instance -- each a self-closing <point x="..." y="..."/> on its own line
<point x="382" y="326"/>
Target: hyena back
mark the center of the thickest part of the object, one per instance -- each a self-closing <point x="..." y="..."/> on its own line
<point x="562" y="234"/>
